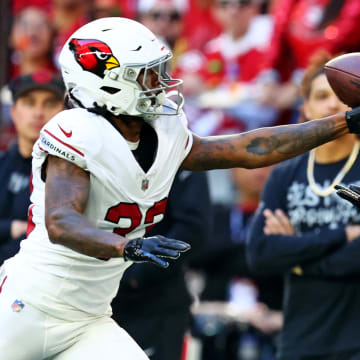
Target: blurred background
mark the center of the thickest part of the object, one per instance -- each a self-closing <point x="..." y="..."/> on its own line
<point x="242" y="63"/>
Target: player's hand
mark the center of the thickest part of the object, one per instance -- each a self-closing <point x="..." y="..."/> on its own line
<point x="352" y="194"/>
<point x="153" y="249"/>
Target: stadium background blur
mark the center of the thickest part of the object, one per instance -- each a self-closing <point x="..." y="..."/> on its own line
<point x="242" y="62"/>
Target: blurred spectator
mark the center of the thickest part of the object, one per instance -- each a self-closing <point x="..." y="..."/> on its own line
<point x="301" y="28"/>
<point x="306" y="232"/>
<point x="157" y="302"/>
<point x="221" y="82"/>
<point x="31" y="40"/>
<point x="246" y="299"/>
<point x="37" y="98"/>
<point x="200" y="24"/>
<point x="190" y="26"/>
<point x="105" y="8"/>
<point x="19" y="5"/>
<point x="68" y="16"/>
<point x="163" y="18"/>
<point x="128" y="8"/>
<point x="232" y="55"/>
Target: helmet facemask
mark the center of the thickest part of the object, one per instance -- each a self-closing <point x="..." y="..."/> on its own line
<point x="152" y="99"/>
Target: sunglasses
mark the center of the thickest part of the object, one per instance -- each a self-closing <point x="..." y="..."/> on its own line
<point x="169" y="16"/>
<point x="238" y="3"/>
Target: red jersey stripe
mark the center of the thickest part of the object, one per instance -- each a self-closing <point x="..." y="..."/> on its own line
<point x="64" y="143"/>
<point x="31" y="183"/>
<point x="187" y="142"/>
<point x="43" y="150"/>
<point x="2" y="284"/>
<point x="30" y="224"/>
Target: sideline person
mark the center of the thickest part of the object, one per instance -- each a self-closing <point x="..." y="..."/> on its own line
<point x="312" y="236"/>
<point x="37" y="97"/>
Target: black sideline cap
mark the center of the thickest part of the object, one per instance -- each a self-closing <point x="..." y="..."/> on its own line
<point x="42" y="80"/>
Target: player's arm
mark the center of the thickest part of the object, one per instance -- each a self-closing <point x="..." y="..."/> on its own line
<point x="265" y="146"/>
<point x="66" y="197"/>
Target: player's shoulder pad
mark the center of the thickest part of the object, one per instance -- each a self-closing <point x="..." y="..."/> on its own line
<point x="74" y="135"/>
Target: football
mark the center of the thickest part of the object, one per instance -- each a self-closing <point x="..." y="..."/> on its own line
<point x="343" y="74"/>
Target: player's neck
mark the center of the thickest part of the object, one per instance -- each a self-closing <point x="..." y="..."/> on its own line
<point x="129" y="126"/>
<point x="335" y="150"/>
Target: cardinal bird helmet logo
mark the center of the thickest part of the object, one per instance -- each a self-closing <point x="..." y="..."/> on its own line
<point x="93" y="56"/>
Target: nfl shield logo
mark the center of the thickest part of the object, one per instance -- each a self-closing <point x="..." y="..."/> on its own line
<point x="17" y="306"/>
<point x="144" y="184"/>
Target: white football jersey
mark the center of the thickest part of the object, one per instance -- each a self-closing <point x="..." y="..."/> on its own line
<point x="122" y="199"/>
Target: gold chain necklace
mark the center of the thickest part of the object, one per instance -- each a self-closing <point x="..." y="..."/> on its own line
<point x="341" y="174"/>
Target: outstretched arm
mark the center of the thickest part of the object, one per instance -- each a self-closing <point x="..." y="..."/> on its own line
<point x="263" y="147"/>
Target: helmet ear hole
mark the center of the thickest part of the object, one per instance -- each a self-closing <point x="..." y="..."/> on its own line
<point x="109" y="89"/>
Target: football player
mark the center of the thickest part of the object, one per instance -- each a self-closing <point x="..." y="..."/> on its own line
<point x="102" y="172"/>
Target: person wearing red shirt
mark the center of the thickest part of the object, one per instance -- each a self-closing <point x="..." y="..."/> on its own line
<point x="200" y="24"/>
<point x="301" y="29"/>
<point x="68" y="16"/>
<point x="227" y="69"/>
<point x="19" y="5"/>
<point x="31" y="41"/>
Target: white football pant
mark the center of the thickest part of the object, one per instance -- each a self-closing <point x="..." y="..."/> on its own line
<point x="30" y="334"/>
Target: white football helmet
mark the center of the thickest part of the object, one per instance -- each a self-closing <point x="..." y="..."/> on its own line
<point x="101" y="63"/>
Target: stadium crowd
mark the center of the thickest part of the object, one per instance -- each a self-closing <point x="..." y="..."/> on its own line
<point x="243" y="64"/>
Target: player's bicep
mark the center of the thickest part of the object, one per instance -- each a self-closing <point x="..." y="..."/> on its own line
<point x="67" y="186"/>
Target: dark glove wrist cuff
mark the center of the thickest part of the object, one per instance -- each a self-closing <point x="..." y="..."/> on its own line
<point x="353" y="120"/>
<point x="132" y="249"/>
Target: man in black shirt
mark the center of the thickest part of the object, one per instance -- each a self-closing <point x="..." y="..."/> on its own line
<point x="37" y="98"/>
<point x="303" y="230"/>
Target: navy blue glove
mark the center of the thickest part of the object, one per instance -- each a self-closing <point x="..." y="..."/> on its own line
<point x="153" y="249"/>
<point x="352" y="194"/>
